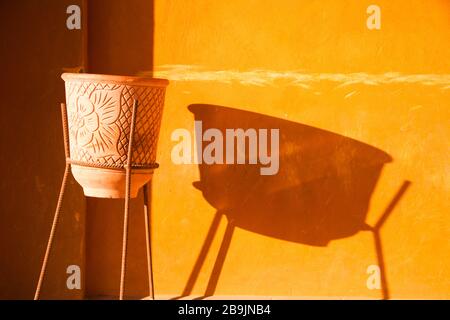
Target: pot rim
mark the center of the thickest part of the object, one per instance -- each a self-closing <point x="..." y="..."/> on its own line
<point x="124" y="80"/>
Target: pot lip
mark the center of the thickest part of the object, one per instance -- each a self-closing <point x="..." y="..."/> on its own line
<point x="127" y="80"/>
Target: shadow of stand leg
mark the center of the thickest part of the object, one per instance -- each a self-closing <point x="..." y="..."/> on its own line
<point x="201" y="256"/>
<point x="220" y="260"/>
<point x="380" y="258"/>
<point x="377" y="238"/>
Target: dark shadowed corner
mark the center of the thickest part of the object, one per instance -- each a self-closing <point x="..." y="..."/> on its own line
<point x="120" y="42"/>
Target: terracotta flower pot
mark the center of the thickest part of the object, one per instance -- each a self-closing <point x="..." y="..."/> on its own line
<point x="99" y="112"/>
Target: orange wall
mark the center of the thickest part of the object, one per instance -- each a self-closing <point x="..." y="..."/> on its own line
<point x="340" y="131"/>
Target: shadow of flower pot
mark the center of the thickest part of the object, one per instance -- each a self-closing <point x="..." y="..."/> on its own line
<point x="321" y="192"/>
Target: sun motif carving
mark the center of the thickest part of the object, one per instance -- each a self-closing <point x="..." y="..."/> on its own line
<point x="92" y="122"/>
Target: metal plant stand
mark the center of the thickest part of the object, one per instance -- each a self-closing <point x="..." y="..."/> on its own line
<point x="128" y="168"/>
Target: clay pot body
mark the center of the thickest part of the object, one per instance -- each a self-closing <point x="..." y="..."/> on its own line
<point x="99" y="112"/>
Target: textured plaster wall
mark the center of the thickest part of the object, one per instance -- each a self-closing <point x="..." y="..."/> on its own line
<point x="313" y="69"/>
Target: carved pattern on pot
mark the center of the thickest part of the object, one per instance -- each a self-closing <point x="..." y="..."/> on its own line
<point x="99" y="117"/>
<point x="93" y="124"/>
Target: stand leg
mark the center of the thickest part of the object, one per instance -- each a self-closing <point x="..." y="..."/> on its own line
<point x="148" y="244"/>
<point x="58" y="206"/>
<point x="127" y="202"/>
<point x="52" y="233"/>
